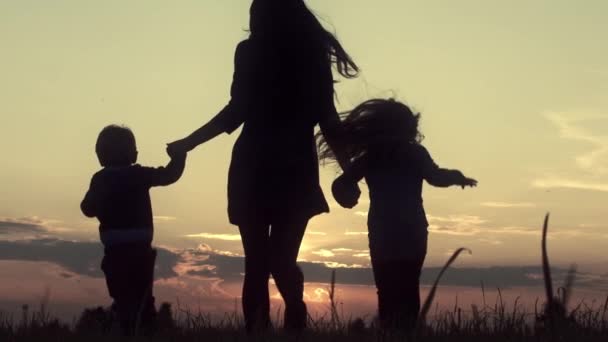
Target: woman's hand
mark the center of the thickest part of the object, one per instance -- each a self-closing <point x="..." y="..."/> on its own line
<point x="179" y="147"/>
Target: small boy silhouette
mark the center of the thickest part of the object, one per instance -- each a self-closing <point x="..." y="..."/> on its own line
<point x="119" y="197"/>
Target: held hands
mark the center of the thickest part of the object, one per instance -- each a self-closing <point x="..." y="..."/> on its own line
<point x="178" y="148"/>
<point x="345" y="192"/>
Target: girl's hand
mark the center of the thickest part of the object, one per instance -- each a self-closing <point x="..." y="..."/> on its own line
<point x="345" y="192"/>
<point x="468" y="182"/>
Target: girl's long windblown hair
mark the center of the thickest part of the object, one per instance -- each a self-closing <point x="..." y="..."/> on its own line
<point x="376" y="123"/>
<point x="291" y="20"/>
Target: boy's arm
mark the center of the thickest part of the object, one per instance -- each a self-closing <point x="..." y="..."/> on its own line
<point x="165" y="175"/>
<point x="90" y="204"/>
<point x="440" y="177"/>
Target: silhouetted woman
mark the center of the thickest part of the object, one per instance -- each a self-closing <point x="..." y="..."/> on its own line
<point x="282" y="88"/>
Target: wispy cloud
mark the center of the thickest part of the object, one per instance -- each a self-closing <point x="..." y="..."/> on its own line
<point x="212" y="236"/>
<point x="30" y="227"/>
<point x="488" y="233"/>
<point x="493" y="242"/>
<point x="364" y="255"/>
<point x="508" y="205"/>
<point x="338" y="250"/>
<point x="164" y="218"/>
<point x="470" y="225"/>
<point x="455" y="224"/>
<point x="592" y="163"/>
<point x="355" y="233"/>
<point x="324" y="253"/>
<point x="21" y="226"/>
<point x="575" y="126"/>
<point x="552" y="182"/>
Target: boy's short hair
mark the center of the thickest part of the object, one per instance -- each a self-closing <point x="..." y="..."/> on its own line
<point x="116" y="146"/>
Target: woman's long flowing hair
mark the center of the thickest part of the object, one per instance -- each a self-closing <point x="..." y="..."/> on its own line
<point x="292" y="20"/>
<point x="376" y="123"/>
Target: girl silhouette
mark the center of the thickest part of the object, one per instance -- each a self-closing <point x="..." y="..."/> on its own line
<point x="282" y="88"/>
<point x="383" y="140"/>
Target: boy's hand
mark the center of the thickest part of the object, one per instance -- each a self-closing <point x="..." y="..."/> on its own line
<point x="468" y="182"/>
<point x="345" y="192"/>
<point x="176" y="153"/>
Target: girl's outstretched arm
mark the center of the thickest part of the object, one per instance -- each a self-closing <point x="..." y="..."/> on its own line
<point x="440" y="177"/>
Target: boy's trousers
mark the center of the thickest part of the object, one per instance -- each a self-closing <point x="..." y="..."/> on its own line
<point x="129" y="271"/>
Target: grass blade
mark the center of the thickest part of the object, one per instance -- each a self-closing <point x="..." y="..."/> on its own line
<point x="429" y="299"/>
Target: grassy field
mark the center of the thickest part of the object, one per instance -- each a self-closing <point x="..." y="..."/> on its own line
<point x="552" y="320"/>
<point x="491" y="323"/>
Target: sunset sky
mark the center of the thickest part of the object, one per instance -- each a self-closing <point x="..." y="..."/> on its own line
<point x="515" y="94"/>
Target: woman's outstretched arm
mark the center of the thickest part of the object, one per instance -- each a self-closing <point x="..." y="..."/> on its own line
<point x="229" y="118"/>
<point x="210" y="130"/>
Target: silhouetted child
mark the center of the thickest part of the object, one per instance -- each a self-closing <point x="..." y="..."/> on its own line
<point x="384" y="142"/>
<point x="119" y="197"/>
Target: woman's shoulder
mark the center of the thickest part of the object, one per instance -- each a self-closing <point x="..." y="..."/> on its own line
<point x="250" y="50"/>
<point x="243" y="46"/>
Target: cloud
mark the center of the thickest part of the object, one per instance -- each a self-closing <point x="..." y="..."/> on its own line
<point x="82" y="258"/>
<point x="507" y="205"/>
<point x="455" y="224"/>
<point x="230" y="268"/>
<point x="21" y="226"/>
<point x="592" y="164"/>
<point x="30" y="227"/>
<point x="211" y="236"/>
<point x="165" y="218"/>
<point x="364" y="255"/>
<point x="470" y="225"/>
<point x="574" y="126"/>
<point x="324" y="253"/>
<point x="213" y="268"/>
<point x="355" y="233"/>
<point x="553" y="182"/>
<point x="493" y="242"/>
